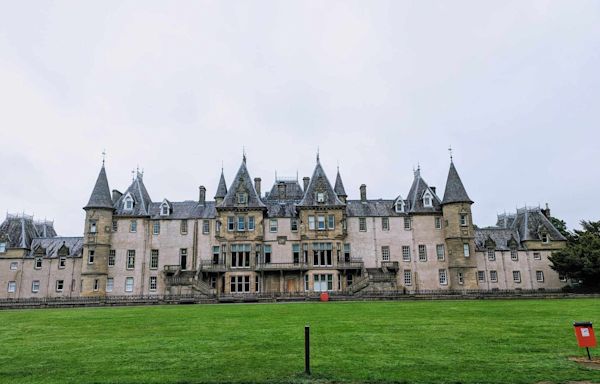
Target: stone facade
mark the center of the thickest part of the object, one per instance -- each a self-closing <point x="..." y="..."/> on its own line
<point x="290" y="239"/>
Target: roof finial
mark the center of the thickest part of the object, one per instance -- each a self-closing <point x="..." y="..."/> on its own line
<point x="103" y="156"/>
<point x="132" y="174"/>
<point x="317" y="153"/>
<point x="222" y="166"/>
<point x="338" y="166"/>
<point x="243" y="153"/>
<point x="450" y="151"/>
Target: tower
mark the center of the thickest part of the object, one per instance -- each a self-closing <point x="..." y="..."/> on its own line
<point x="97" y="238"/>
<point x="459" y="233"/>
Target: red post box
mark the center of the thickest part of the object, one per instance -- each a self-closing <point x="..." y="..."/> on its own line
<point x="585" y="336"/>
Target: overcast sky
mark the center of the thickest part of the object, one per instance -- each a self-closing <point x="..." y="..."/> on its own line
<point x="379" y="87"/>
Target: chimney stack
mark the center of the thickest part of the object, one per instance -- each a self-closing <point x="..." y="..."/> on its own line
<point x="546" y="211"/>
<point x="281" y="189"/>
<point x="363" y="193"/>
<point x="257" y="181"/>
<point x="306" y="181"/>
<point x="116" y="195"/>
<point x="202" y="195"/>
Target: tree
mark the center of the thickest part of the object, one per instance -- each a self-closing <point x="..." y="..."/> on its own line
<point x="580" y="259"/>
<point x="561" y="226"/>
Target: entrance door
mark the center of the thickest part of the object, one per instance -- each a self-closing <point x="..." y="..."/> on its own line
<point x="183" y="261"/>
<point x="291" y="286"/>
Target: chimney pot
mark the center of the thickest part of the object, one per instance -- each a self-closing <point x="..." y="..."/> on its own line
<point x="363" y="193"/>
<point x="201" y="195"/>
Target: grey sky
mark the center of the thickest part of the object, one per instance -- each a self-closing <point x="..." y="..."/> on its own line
<point x="178" y="87"/>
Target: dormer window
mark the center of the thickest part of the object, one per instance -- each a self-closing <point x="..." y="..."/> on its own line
<point x="320" y="197"/>
<point x="545" y="238"/>
<point x="399" y="206"/>
<point x="128" y="204"/>
<point x="242" y="198"/>
<point x="164" y="209"/>
<point x="427" y="200"/>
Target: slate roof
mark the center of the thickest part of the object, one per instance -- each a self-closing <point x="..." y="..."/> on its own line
<point x="339" y="185"/>
<point x="242" y="183"/>
<point x="370" y="208"/>
<point x="455" y="190"/>
<point x="141" y="199"/>
<point x="319" y="183"/>
<point x="101" y="197"/>
<point x="500" y="236"/>
<point x="531" y="223"/>
<point x="184" y="210"/>
<point x="415" y="196"/>
<point x="52" y="245"/>
<point x="222" y="187"/>
<point x="18" y="231"/>
<point x="291" y="191"/>
<point x="281" y="209"/>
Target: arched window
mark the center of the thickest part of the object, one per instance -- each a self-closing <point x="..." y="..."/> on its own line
<point x="427" y="199"/>
<point x="128" y="203"/>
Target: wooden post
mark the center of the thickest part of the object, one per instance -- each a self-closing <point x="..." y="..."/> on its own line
<point x="307" y="349"/>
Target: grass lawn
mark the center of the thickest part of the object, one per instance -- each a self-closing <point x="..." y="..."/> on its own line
<point x="492" y="341"/>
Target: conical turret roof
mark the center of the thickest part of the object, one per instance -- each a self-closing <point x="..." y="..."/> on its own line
<point x="455" y="190"/>
<point x="339" y="185"/>
<point x="100" y="197"/>
<point x="222" y="188"/>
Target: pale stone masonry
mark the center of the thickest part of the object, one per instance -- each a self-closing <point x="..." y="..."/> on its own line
<point x="292" y="239"/>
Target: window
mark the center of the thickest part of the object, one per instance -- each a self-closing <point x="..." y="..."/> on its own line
<point x="463" y="220"/>
<point x="514" y="256"/>
<point x="273" y="225"/>
<point x="322" y="254"/>
<point x="12" y="286"/>
<point x="346" y="252"/>
<point x="153" y="283"/>
<point x="164" y="209"/>
<point x="115" y="225"/>
<point x="128" y="203"/>
<point x="331" y="222"/>
<point x="443" y="277"/>
<point x="230" y="223"/>
<point x="294" y="224"/>
<point x="296" y="253"/>
<point x="60" y="284"/>
<point x="240" y="284"/>
<point x="422" y="252"/>
<point x="323" y="283"/>
<point x="537" y="256"/>
<point x="110" y="282"/>
<point x="241" y="223"/>
<point x="111" y="258"/>
<point x="133" y="226"/>
<point x="267" y="250"/>
<point x="385" y="253"/>
<point x="156" y="227"/>
<point x="399" y="206"/>
<point x="321" y="222"/>
<point x="407" y="277"/>
<point x="493" y="276"/>
<point x="427" y="200"/>
<point x="385" y="223"/>
<point x="216" y="252"/>
<point x="2" y="247"/>
<point x="14" y="265"/>
<point x="35" y="286"/>
<point x="240" y="255"/>
<point x="320" y="197"/>
<point x="539" y="276"/>
<point x="311" y="223"/>
<point x="154" y="259"/>
<point x="440" y="251"/>
<point x="405" y="253"/>
<point x="481" y="276"/>
<point x="407" y="224"/>
<point x="38" y="263"/>
<point x="517" y="276"/>
<point x="96" y="285"/>
<point x="183" y="227"/>
<point x="242" y="198"/>
<point x="183" y="258"/>
<point x="306" y="282"/>
<point x="438" y="223"/>
<point x="129" y="284"/>
<point x="93" y="227"/>
<point x="213" y="282"/>
<point x="91" y="256"/>
<point x="491" y="254"/>
<point x="466" y="250"/>
<point x="461" y="278"/>
<point x="62" y="262"/>
<point x="545" y="238"/>
<point x="131" y="259"/>
<point x="362" y="224"/>
<point x="251" y="223"/>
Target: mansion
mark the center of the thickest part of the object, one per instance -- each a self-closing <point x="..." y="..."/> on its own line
<point x="294" y="238"/>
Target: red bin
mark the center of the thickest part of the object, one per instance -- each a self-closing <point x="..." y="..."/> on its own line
<point x="324" y="296"/>
<point x="585" y="334"/>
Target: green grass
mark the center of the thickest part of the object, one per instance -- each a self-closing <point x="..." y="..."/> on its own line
<point x="518" y="341"/>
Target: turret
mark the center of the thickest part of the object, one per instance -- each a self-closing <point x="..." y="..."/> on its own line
<point x="339" y="189"/>
<point x="459" y="233"/>
<point x="97" y="238"/>
<point x="221" y="189"/>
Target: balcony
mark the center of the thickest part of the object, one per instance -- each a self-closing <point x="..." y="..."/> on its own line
<point x="350" y="264"/>
<point x="172" y="268"/>
<point x="211" y="266"/>
<point x="390" y="265"/>
<point x="282" y="266"/>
